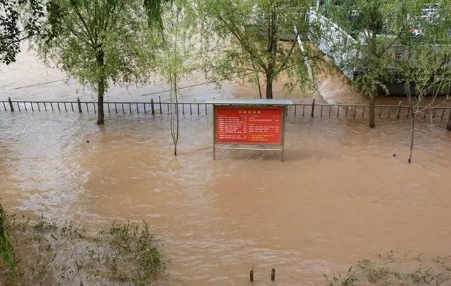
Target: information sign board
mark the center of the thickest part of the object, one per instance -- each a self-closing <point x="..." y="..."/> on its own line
<point x="250" y="125"/>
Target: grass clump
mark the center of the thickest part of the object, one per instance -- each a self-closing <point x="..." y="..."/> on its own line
<point x="132" y="242"/>
<point x="59" y="253"/>
<point x="392" y="271"/>
<point x="7" y="252"/>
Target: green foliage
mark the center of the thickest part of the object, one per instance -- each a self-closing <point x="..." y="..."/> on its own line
<point x="180" y="52"/>
<point x="378" y="27"/>
<point x="383" y="32"/>
<point x="7" y="252"/>
<point x="19" y="19"/>
<point x="429" y="71"/>
<point x="429" y="67"/>
<point x="79" y="30"/>
<point x="247" y="33"/>
<point x="102" y="42"/>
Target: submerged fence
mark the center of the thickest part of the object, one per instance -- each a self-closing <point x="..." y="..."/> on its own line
<point x="297" y="110"/>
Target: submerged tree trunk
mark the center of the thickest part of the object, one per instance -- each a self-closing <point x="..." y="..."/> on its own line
<point x="448" y="126"/>
<point x="101" y="85"/>
<point x="101" y="115"/>
<point x="412" y="123"/>
<point x="175" y="136"/>
<point x="372" y="119"/>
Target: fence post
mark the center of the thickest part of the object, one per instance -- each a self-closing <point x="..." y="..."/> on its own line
<point x="79" y="105"/>
<point x="152" y="106"/>
<point x="159" y="101"/>
<point x="399" y="110"/>
<point x="11" y="104"/>
<point x="313" y="108"/>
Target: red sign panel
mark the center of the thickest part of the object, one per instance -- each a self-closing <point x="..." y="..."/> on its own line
<point x="249" y="125"/>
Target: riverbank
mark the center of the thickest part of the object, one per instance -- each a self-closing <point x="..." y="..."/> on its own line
<point x="62" y="253"/>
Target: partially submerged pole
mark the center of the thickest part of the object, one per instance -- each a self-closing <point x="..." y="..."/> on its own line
<point x="313" y="108"/>
<point x="79" y="105"/>
<point x="11" y="104"/>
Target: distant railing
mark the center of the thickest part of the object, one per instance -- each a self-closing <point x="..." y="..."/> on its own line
<point x="296" y="110"/>
<point x="331" y="41"/>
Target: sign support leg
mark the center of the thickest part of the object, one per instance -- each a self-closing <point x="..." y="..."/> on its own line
<point x="214" y="132"/>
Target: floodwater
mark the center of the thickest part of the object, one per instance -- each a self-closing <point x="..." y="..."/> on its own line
<point x="341" y="195"/>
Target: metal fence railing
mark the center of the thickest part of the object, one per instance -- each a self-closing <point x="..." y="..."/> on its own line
<point x="297" y="110"/>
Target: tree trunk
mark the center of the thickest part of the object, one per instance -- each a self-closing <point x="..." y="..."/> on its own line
<point x="412" y="123"/>
<point x="448" y="126"/>
<point x="372" y="121"/>
<point x="100" y="93"/>
<point x="272" y="51"/>
<point x="100" y="88"/>
<point x="269" y="81"/>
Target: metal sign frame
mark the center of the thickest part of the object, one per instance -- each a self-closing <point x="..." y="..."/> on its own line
<point x="257" y="104"/>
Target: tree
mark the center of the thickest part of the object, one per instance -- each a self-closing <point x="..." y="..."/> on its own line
<point x="427" y="70"/>
<point x="19" y="20"/>
<point x="429" y="74"/>
<point x="377" y="26"/>
<point x="102" y="42"/>
<point x="247" y="35"/>
<point x="178" y="58"/>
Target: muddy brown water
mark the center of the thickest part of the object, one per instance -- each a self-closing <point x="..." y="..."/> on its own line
<point x="340" y="196"/>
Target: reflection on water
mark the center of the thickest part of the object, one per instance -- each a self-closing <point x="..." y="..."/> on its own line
<point x="340" y="195"/>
